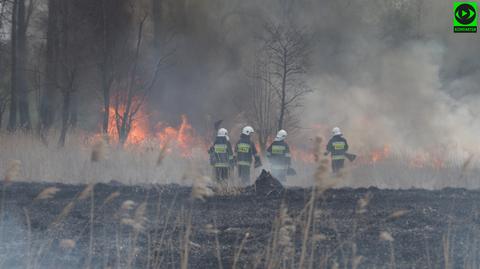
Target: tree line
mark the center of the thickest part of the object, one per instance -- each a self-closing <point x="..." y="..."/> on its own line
<point x="55" y="52"/>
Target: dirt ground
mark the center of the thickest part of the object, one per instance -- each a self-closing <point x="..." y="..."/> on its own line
<point x="430" y="229"/>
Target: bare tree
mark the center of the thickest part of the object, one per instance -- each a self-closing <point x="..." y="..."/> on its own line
<point x="19" y="86"/>
<point x="288" y="49"/>
<point x="67" y="89"/>
<point x="113" y="48"/>
<point x="12" y="121"/>
<point x="4" y="101"/>
<point x="106" y="68"/>
<point x="68" y="63"/>
<point x="5" y="55"/>
<point x="24" y="15"/>
<point x="49" y="95"/>
<point x="4" y="82"/>
<point x="129" y="102"/>
<point x="261" y="100"/>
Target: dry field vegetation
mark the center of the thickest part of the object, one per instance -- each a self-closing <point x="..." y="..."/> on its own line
<point x="72" y="163"/>
<point x="149" y="164"/>
<point x="96" y="225"/>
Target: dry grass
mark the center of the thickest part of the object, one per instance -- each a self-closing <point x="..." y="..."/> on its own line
<point x="13" y="170"/>
<point x="67" y="244"/>
<point x="47" y="193"/>
<point x="227" y="188"/>
<point x="83" y="159"/>
<point x="200" y="188"/>
<point x="101" y="161"/>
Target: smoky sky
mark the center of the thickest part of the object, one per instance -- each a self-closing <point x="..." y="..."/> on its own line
<point x="384" y="71"/>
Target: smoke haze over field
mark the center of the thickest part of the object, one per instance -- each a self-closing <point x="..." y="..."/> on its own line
<point x="386" y="71"/>
<point x="403" y="88"/>
<point x="395" y="66"/>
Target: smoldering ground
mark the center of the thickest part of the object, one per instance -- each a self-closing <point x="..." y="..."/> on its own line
<point x="137" y="227"/>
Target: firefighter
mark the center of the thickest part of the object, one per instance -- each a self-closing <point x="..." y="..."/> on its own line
<point x="246" y="152"/>
<point x="279" y="156"/>
<point x="337" y="147"/>
<point x="221" y="155"/>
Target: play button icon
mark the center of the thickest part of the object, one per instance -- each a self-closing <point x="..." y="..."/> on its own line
<point x="465" y="14"/>
<point x="465" y="17"/>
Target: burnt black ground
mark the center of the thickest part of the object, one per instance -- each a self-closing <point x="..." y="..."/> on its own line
<point x="420" y="235"/>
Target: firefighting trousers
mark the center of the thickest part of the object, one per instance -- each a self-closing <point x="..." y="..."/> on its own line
<point x="221" y="173"/>
<point x="337" y="165"/>
<point x="244" y="173"/>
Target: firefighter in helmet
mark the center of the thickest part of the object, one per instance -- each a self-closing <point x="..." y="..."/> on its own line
<point x="246" y="152"/>
<point x="337" y="147"/>
<point x="278" y="153"/>
<point x="221" y="155"/>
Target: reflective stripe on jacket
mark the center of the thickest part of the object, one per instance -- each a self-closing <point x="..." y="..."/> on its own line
<point x="221" y="152"/>
<point x="278" y="154"/>
<point x="337" y="146"/>
<point x="246" y="151"/>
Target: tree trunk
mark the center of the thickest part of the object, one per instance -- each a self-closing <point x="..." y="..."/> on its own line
<point x="283" y="98"/>
<point x="74" y="111"/>
<point x="23" y="103"/>
<point x="50" y="93"/>
<point x="123" y="136"/>
<point x="2" y="112"/>
<point x="128" y="114"/>
<point x="65" y="118"/>
<point x="124" y="129"/>
<point x="12" y="122"/>
<point x="106" y="72"/>
<point x="123" y="126"/>
<point x="106" y="102"/>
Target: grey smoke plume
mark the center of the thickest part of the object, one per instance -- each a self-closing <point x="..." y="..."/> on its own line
<point x="409" y="85"/>
<point x="387" y="72"/>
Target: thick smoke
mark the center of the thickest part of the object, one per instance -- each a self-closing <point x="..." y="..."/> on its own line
<point x="401" y="84"/>
<point x="387" y="72"/>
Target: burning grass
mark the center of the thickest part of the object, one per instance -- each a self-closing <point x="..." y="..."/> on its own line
<point x="88" y="157"/>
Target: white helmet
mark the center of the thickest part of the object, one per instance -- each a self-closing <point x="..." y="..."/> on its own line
<point x="281" y="135"/>
<point x="336" y="131"/>
<point x="247" y="130"/>
<point x="222" y="132"/>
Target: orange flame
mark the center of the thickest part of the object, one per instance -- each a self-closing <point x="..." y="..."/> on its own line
<point x="380" y="154"/>
<point x="182" y="138"/>
<point x="139" y="131"/>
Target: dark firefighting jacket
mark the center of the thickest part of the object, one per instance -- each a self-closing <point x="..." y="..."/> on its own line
<point x="246" y="151"/>
<point x="220" y="152"/>
<point x="279" y="155"/>
<point x="337" y="146"/>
